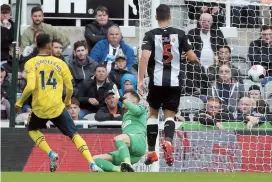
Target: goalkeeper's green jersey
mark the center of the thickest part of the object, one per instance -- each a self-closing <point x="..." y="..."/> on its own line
<point x="134" y="120"/>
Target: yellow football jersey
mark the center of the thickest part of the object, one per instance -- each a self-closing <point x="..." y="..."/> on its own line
<point x="46" y="76"/>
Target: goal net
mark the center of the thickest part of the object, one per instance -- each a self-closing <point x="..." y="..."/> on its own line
<point x="206" y="148"/>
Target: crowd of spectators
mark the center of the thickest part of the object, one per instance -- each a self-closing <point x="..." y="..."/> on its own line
<point x="104" y="60"/>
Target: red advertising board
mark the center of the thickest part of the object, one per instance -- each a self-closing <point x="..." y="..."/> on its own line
<point x="251" y="153"/>
<point x="69" y="158"/>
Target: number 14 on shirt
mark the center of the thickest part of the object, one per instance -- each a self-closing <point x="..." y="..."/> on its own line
<point x="51" y="81"/>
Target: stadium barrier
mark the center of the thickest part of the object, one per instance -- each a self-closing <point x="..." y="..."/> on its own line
<point x="197" y="148"/>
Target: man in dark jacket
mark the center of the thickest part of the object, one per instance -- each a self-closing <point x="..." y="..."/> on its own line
<point x="224" y="58"/>
<point x="82" y="67"/>
<point x="7" y="30"/>
<point x="213" y="115"/>
<point x="92" y="93"/>
<point x="111" y="111"/>
<point x="98" y="29"/>
<point x="260" y="50"/>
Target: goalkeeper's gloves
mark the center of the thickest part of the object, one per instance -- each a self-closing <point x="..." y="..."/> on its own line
<point x="116" y="93"/>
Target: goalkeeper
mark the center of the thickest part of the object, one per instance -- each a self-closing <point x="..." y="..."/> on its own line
<point x="131" y="144"/>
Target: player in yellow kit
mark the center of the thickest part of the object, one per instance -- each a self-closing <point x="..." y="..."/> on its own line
<point x="46" y="76"/>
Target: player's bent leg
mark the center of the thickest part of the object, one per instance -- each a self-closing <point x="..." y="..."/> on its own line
<point x="66" y="125"/>
<point x="104" y="161"/>
<point x="40" y="141"/>
<point x="122" y="142"/>
<point x="169" y="131"/>
<point x="152" y="134"/>
<point x="34" y="124"/>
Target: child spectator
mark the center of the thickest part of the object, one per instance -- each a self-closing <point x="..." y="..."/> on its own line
<point x="111" y="111"/>
<point x="74" y="109"/>
<point x="213" y="115"/>
<point x="119" y="71"/>
<point x="128" y="83"/>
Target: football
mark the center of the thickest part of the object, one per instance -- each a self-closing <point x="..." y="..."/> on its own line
<point x="256" y="73"/>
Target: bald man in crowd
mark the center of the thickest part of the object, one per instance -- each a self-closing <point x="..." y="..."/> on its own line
<point x="105" y="51"/>
<point x="205" y="39"/>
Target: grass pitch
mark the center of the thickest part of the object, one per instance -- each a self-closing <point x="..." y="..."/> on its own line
<point x="134" y="177"/>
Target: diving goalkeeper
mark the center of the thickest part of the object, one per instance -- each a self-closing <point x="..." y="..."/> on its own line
<point x="131" y="144"/>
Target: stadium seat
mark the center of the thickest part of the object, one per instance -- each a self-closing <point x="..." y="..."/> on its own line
<point x="90" y="117"/>
<point x="189" y="105"/>
<point x="241" y="64"/>
<point x="248" y="83"/>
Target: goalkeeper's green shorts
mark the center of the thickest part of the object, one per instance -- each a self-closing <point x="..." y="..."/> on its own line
<point x="137" y="149"/>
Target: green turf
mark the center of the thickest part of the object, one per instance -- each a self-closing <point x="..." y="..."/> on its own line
<point x="135" y="177"/>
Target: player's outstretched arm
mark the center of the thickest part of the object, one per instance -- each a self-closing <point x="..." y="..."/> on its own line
<point x="134" y="108"/>
<point x="192" y="58"/>
<point x="67" y="80"/>
<point x="31" y="83"/>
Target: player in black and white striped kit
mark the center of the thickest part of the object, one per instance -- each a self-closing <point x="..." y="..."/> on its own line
<point x="161" y="56"/>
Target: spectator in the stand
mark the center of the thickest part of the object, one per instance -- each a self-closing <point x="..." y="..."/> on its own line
<point x="32" y="51"/>
<point x="7" y="30"/>
<point x="128" y="83"/>
<point x="254" y="92"/>
<point x="260" y="50"/>
<point x="227" y="89"/>
<point x="57" y="48"/>
<point x="243" y="110"/>
<point x="91" y="94"/>
<point x="105" y="51"/>
<point x="37" y="23"/>
<point x="74" y="109"/>
<point x="98" y="29"/>
<point x="213" y="115"/>
<point x="82" y="67"/>
<point x="5" y="84"/>
<point x="205" y="39"/>
<point x="261" y="112"/>
<point x="119" y="70"/>
<point x="223" y="58"/>
<point x="111" y="111"/>
<point x="5" y="107"/>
